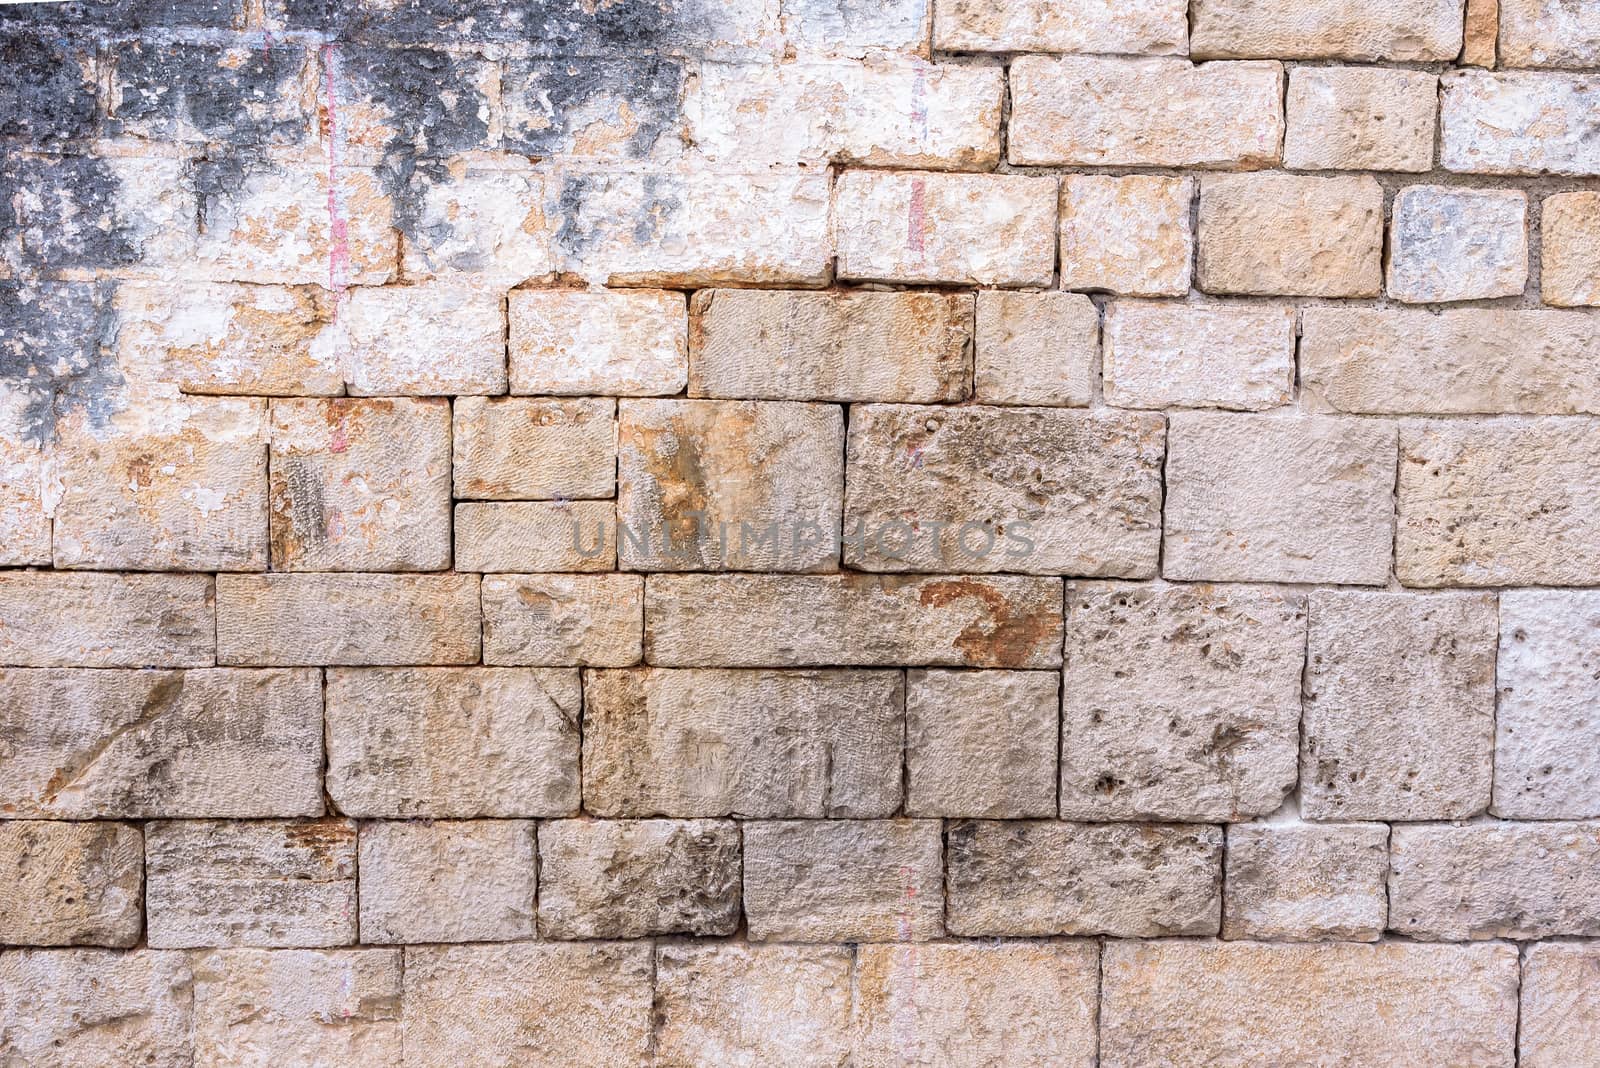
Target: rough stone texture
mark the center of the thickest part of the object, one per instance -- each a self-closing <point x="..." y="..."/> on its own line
<point x="734" y="1004"/>
<point x="24" y="523"/>
<point x="1269" y="234"/>
<point x="1035" y="349"/>
<point x="1236" y="1003"/>
<point x="1448" y="244"/>
<point x="563" y="620"/>
<point x="635" y="878"/>
<point x="1042" y="491"/>
<point x="1360" y="118"/>
<point x="755" y="744"/>
<point x="536" y="536"/>
<point x="1023" y="1004"/>
<point x="106" y="620"/>
<point x="427" y="340"/>
<point x="511" y="448"/>
<point x="843" y="880"/>
<point x="1160" y="355"/>
<point x="1152" y="27"/>
<point x="75" y="884"/>
<point x="1549" y="33"/>
<point x="1407" y="30"/>
<point x="1560" y="1018"/>
<point x="1305" y="882"/>
<point x="1129" y="236"/>
<point x="272" y="884"/>
<point x="1548" y="677"/>
<point x="700" y="483"/>
<point x="453" y="742"/>
<point x="964" y="229"/>
<point x="1094" y="111"/>
<point x="1267" y="499"/>
<point x="454" y="881"/>
<point x="853" y="620"/>
<point x="1482" y="33"/>
<point x="1179" y="702"/>
<point x="93" y="1008"/>
<point x="1498" y="503"/>
<point x="1039" y="878"/>
<point x="628" y="343"/>
<point x="1494" y="880"/>
<point x="981" y="744"/>
<point x="1571" y="250"/>
<point x="1460" y="361"/>
<point x="1518" y="122"/>
<point x="843" y="345"/>
<point x="1399" y="706"/>
<point x="214" y="742"/>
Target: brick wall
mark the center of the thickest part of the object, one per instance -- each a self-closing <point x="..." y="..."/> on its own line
<point x="800" y="532"/>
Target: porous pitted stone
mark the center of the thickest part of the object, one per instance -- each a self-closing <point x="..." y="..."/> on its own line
<point x="1035" y="348"/>
<point x="515" y="448"/>
<point x="1161" y="355"/>
<point x="563" y="620"/>
<point x="1306" y="882"/>
<point x="1360" y="118"/>
<point x="627" y="343"/>
<point x="1288" y="234"/>
<point x="1129" y="235"/>
<point x="981" y="744"/>
<point x="451" y="881"/>
<point x="70" y="884"/>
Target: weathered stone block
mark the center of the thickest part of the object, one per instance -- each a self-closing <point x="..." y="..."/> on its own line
<point x="756" y="744"/>
<point x="1482" y="33"/>
<point x="981" y="744"/>
<point x="1549" y="33"/>
<point x="535" y="536"/>
<point x="209" y="93"/>
<point x="424" y="340"/>
<point x="271" y="884"/>
<point x="453" y="742"/>
<point x="485" y="219"/>
<point x="603" y="109"/>
<point x="47" y="90"/>
<point x="1409" y="30"/>
<point x="71" y="884"/>
<point x="93" y="1008"/>
<point x="859" y="27"/>
<point x="1450" y="244"/>
<point x="1570" y="271"/>
<point x="106" y="620"/>
<point x="843" y="880"/>
<point x="456" y="881"/>
<point x="627" y="343"/>
<point x="1559" y="1023"/>
<point x="1360" y="118"/>
<point x="1304" y="882"/>
<point x="407" y="101"/>
<point x="1269" y="234"/>
<point x="1128" y="235"/>
<point x="562" y="620"/>
<point x="1179" y="702"/>
<point x="1160" y="355"/>
<point x="511" y="448"/>
<point x="1518" y="122"/>
<point x="75" y="216"/>
<point x="24" y="523"/>
<point x="1035" y="348"/>
<point x="841" y="345"/>
<point x="1037" y="878"/>
<point x="1150" y="27"/>
<point x="636" y="878"/>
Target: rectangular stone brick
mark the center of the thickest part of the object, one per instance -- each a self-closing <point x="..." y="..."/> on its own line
<point x="1129" y="235"/>
<point x="1160" y="355"/>
<point x="1035" y="348"/>
<point x="1266" y="499"/>
<point x="859" y="27"/>
<point x="106" y="620"/>
<point x="535" y="1005"/>
<point x="756" y="744"/>
<point x="1428" y="662"/>
<point x="1102" y="112"/>
<point x="852" y="620"/>
<point x="574" y="342"/>
<point x="963" y="229"/>
<point x="1305" y="882"/>
<point x="611" y="108"/>
<point x="272" y="884"/>
<point x="1291" y="235"/>
<point x="511" y="448"/>
<point x="1071" y="493"/>
<point x="1559" y="1023"/>
<point x="209" y="93"/>
<point x="94" y="1008"/>
<point x="317" y="619"/>
<point x="455" y="881"/>
<point x="1499" y="504"/>
<point x="482" y="220"/>
<point x="1461" y="361"/>
<point x="636" y="878"/>
<point x="841" y="345"/>
<point x="146" y="744"/>
<point x="1360" y="118"/>
<point x="563" y="620"/>
<point x="407" y="100"/>
<point x="843" y="880"/>
<point x="424" y="340"/>
<point x="71" y="884"/>
<point x="1519" y="122"/>
<point x="24" y="523"/>
<point x="1139" y="27"/>
<point x="1189" y="1002"/>
<point x="981" y="744"/>
<point x="1482" y="33"/>
<point x="453" y="742"/>
<point x="1419" y="31"/>
<point x="1549" y="33"/>
<point x="75" y="216"/>
<point x="1180" y="702"/>
<point x="1494" y="880"/>
<point x="47" y="90"/>
<point x="535" y="536"/>
<point x="1451" y="244"/>
<point x="1570" y="250"/>
<point x="1038" y="878"/>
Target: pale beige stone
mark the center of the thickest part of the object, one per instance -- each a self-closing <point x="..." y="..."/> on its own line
<point x="484" y="220"/>
<point x="1147" y="27"/>
<point x="756" y="744"/>
<point x="142" y="744"/>
<point x="636" y="878"/>
<point x="1035" y="349"/>
<point x="320" y="619"/>
<point x="1036" y="878"/>
<point x="1306" y="882"/>
<point x="975" y="1005"/>
<point x="859" y="27"/>
<point x="981" y="744"/>
<point x="454" y="881"/>
<point x="536" y="536"/>
<point x="24" y="522"/>
<point x="1127" y="235"/>
<point x="573" y="342"/>
<point x="528" y="1005"/>
<point x="1168" y="355"/>
<point x="269" y="884"/>
<point x="360" y="485"/>
<point x="563" y="620"/>
<point x="1482" y="33"/>
<point x="1559" y="1024"/>
<point x="94" y="1008"/>
<point x="708" y="485"/>
<point x="733" y="1004"/>
<point x="1519" y="122"/>
<point x="71" y="884"/>
<point x="1043" y="491"/>
<point x="1571" y="250"/>
<point x="1270" y="499"/>
<point x="1097" y="111"/>
<point x="1174" y="1003"/>
<point x="964" y="229"/>
<point x="516" y="448"/>
<point x="1409" y="30"/>
<point x="1452" y="244"/>
<point x="1298" y="236"/>
<point x="106" y="620"/>
<point x="1179" y="702"/>
<point x="843" y="880"/>
<point x="428" y="339"/>
<point x="1360" y="118"/>
<point x="1450" y="883"/>
<point x="1549" y="33"/>
<point x="1499" y="503"/>
<point x="841" y="345"/>
<point x="307" y="1007"/>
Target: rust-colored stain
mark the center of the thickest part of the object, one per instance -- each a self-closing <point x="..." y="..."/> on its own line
<point x="1008" y="639"/>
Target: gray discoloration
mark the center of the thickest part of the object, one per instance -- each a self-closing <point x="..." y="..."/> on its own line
<point x="551" y="104"/>
<point x="430" y="100"/>
<point x="56" y="352"/>
<point x="67" y="214"/>
<point x="583" y="204"/>
<point x="549" y="27"/>
<point x="131" y="14"/>
<point x="184" y="92"/>
<point x="46" y="87"/>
